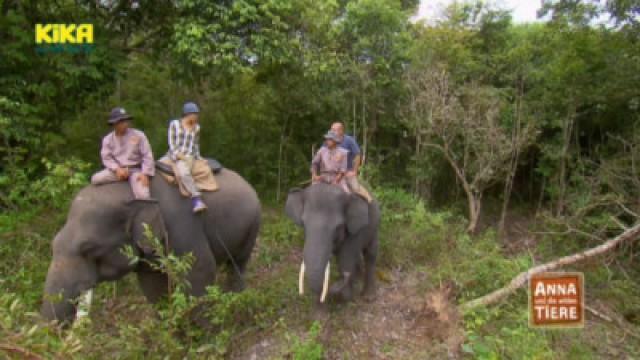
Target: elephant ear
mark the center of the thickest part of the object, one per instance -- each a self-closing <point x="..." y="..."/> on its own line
<point x="295" y="206"/>
<point x="357" y="213"/>
<point x="147" y="212"/>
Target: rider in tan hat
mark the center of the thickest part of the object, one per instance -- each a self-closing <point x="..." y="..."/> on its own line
<point x="330" y="163"/>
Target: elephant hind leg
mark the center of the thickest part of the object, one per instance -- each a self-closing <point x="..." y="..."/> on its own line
<point x="236" y="268"/>
<point x="235" y="278"/>
<point x="238" y="265"/>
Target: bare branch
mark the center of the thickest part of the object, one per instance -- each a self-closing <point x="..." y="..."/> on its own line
<point x="517" y="282"/>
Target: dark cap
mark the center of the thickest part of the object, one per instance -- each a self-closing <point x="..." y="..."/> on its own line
<point x="118" y="114"/>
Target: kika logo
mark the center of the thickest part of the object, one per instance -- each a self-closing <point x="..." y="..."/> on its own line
<point x="73" y="38"/>
<point x="64" y="33"/>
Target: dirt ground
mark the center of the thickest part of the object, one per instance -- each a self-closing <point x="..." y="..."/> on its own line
<point x="401" y="322"/>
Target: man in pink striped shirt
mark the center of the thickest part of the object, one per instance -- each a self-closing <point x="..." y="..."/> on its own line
<point x="126" y="155"/>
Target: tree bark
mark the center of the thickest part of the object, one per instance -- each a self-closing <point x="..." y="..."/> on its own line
<point x="474" y="198"/>
<point x="23" y="353"/>
<point x="567" y="130"/>
<point x="280" y="163"/>
<point x="518" y="281"/>
<point x="513" y="162"/>
<point x="475" y="203"/>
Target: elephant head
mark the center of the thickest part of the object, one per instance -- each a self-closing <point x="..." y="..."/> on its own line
<point x="87" y="249"/>
<point x="329" y="216"/>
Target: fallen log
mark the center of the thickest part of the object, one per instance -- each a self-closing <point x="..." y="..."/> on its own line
<point x="21" y="352"/>
<point x="629" y="234"/>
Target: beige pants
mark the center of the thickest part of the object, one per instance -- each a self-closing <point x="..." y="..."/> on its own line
<point x="354" y="186"/>
<point x="107" y="176"/>
<point x="183" y="167"/>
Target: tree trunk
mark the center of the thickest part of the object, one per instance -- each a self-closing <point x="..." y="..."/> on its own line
<point x="628" y="235"/>
<point x="416" y="190"/>
<point x="567" y="129"/>
<point x="474" y="197"/>
<point x="355" y="118"/>
<point x="475" y="202"/>
<point x="363" y="156"/>
<point x="280" y="163"/>
<point x="513" y="162"/>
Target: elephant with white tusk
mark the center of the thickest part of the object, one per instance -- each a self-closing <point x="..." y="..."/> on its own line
<point x="339" y="223"/>
<point x="104" y="219"/>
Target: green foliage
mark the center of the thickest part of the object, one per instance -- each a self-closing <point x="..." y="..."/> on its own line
<point x="53" y="188"/>
<point x="504" y="333"/>
<point x="21" y="326"/>
<point x="234" y="36"/>
<point x="43" y="202"/>
<point x="40" y="92"/>
<point x="310" y="348"/>
<point x="277" y="237"/>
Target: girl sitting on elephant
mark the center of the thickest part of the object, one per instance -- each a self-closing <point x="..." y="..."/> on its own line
<point x="184" y="149"/>
<point x="329" y="165"/>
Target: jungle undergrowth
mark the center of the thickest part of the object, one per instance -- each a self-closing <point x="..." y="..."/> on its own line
<point x="414" y="238"/>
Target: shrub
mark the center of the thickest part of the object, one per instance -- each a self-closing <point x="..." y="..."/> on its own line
<point x="310" y="348"/>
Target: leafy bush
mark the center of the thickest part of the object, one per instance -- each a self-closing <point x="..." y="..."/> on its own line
<point x="54" y="188"/>
<point x="277" y="236"/>
<point x="409" y="233"/>
<point x="503" y="332"/>
<point x="37" y="210"/>
<point x="477" y="265"/>
<point x="310" y="348"/>
<point x="23" y="335"/>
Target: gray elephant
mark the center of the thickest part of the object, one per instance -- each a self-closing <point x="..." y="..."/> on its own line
<point x="103" y="219"/>
<point x="339" y="223"/>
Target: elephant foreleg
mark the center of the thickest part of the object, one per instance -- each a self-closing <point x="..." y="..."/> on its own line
<point x="203" y="271"/>
<point x="154" y="284"/>
<point x="348" y="260"/>
<point x="370" y="257"/>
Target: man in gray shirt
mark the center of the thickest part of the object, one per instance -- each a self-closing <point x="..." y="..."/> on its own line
<point x="353" y="160"/>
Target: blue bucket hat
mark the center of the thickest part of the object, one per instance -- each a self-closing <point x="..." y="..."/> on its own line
<point x="118" y="114"/>
<point x="190" y="108"/>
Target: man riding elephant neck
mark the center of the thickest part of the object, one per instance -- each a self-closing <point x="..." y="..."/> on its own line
<point x="330" y="163"/>
<point x="126" y="155"/>
<point x="354" y="158"/>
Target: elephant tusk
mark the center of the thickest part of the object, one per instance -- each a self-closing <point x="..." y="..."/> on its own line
<point x="84" y="304"/>
<point x="301" y="279"/>
<point x="325" y="286"/>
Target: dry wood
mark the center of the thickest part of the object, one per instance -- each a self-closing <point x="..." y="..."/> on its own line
<point x="630" y="234"/>
<point x="616" y="321"/>
<point x="23" y="353"/>
<point x="598" y="313"/>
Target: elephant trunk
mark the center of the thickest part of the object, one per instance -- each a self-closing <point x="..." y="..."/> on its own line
<point x="67" y="278"/>
<point x="315" y="267"/>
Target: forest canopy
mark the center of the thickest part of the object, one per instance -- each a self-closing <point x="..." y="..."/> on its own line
<point x="556" y="102"/>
